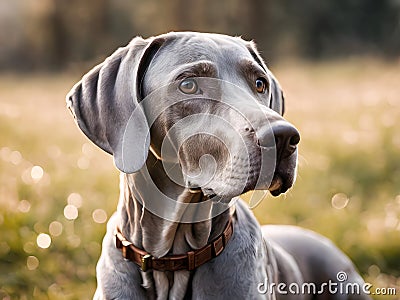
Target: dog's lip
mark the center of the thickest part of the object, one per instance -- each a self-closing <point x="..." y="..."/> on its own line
<point x="208" y="192"/>
<point x="195" y="190"/>
<point x="276" y="185"/>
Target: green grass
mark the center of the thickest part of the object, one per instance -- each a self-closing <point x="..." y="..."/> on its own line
<point x="347" y="112"/>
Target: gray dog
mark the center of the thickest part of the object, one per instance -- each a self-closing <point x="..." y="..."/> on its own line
<point x="194" y="120"/>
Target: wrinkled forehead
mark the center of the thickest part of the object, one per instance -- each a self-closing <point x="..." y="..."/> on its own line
<point x="222" y="55"/>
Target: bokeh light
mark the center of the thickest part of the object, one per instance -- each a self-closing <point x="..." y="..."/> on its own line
<point x="43" y="240"/>
<point x="37" y="173"/>
<point x="70" y="212"/>
<point x="99" y="216"/>
<point x="54" y="151"/>
<point x="75" y="199"/>
<point x="374" y="270"/>
<point x="55" y="228"/>
<point x="391" y="220"/>
<point x="4" y="248"/>
<point x="15" y="157"/>
<point x="29" y="247"/>
<point x="26" y="176"/>
<point x="83" y="163"/>
<point x="340" y="200"/>
<point x="32" y="263"/>
<point x="24" y="206"/>
<point x="88" y="149"/>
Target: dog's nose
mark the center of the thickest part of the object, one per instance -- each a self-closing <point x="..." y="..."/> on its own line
<point x="285" y="136"/>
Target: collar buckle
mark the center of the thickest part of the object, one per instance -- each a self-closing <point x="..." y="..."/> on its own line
<point x="145" y="262"/>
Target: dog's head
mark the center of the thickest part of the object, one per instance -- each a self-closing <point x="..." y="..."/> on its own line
<point x="205" y="102"/>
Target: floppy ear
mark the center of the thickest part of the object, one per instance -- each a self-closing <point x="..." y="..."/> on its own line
<point x="105" y="104"/>
<point x="277" y="98"/>
<point x="277" y="101"/>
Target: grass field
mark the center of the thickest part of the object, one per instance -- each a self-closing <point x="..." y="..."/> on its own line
<point x="57" y="190"/>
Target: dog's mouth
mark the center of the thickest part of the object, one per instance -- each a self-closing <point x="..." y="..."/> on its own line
<point x="207" y="192"/>
<point x="221" y="185"/>
<point x="282" y="180"/>
<point x="210" y="194"/>
<point x="276" y="186"/>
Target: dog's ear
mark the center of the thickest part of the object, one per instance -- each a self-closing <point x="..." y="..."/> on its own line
<point x="105" y="104"/>
<point x="277" y="101"/>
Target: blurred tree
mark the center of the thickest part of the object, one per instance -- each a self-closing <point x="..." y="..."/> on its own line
<point x="259" y="25"/>
<point x="53" y="34"/>
<point x="78" y="29"/>
<point x="343" y="27"/>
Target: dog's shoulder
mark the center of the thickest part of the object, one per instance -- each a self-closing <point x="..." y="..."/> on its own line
<point x="117" y="278"/>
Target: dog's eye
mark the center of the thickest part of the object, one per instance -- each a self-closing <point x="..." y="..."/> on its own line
<point x="188" y="86"/>
<point x="261" y="85"/>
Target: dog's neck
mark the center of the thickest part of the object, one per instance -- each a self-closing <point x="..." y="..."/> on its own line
<point x="156" y="235"/>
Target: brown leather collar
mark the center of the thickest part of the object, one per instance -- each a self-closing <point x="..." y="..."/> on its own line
<point x="188" y="261"/>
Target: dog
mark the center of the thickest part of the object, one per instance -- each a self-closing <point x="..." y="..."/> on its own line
<point x="193" y="120"/>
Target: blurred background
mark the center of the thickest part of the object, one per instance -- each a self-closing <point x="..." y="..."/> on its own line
<point x="338" y="62"/>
